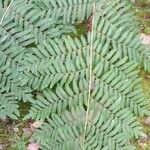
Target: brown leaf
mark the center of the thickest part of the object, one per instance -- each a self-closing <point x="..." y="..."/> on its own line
<point x="2" y="146"/>
<point x="89" y="24"/>
<point x="27" y="131"/>
<point x="142" y="145"/>
<point x="147" y="77"/>
<point x="143" y="138"/>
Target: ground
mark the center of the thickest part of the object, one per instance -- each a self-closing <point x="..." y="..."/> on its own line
<point x="146" y="88"/>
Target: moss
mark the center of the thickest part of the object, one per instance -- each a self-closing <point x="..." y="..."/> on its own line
<point x="5" y="136"/>
<point x="146" y="130"/>
<point x="11" y="138"/>
<point x="4" y="133"/>
<point x="24" y="108"/>
<point x="146" y="88"/>
<point x="146" y="83"/>
<point x="142" y="8"/>
<point x="81" y="30"/>
<point x="143" y="147"/>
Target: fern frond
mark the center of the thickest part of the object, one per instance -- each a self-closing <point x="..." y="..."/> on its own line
<point x="67" y="130"/>
<point x="9" y="69"/>
<point x="25" y="25"/>
<point x="122" y="29"/>
<point x="70" y="11"/>
<point x="106" y="119"/>
<point x="55" y="102"/>
<point x="90" y="94"/>
<point x="61" y="63"/>
<point x="146" y="58"/>
<point x="71" y="61"/>
<point x="10" y="77"/>
<point x="9" y="106"/>
<point x="113" y="89"/>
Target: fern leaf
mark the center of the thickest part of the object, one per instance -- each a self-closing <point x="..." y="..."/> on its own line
<point x="70" y="11"/>
<point x="26" y="26"/>
<point x="90" y="94"/>
<point x="111" y="95"/>
<point x="10" y="77"/>
<point x="9" y="106"/>
<point x="146" y="58"/>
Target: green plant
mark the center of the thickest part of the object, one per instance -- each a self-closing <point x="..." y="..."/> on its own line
<point x="143" y="14"/>
<point x="19" y="142"/>
<point x="146" y="58"/>
<point x="86" y="88"/>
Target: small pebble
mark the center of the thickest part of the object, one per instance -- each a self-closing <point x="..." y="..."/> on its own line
<point x="142" y="145"/>
<point x="16" y="129"/>
<point x="143" y="138"/>
<point x="147" y="77"/>
<point x="147" y="121"/>
<point x="33" y="146"/>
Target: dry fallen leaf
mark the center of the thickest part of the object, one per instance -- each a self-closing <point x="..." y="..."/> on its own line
<point x="147" y="77"/>
<point x="33" y="146"/>
<point x="27" y="131"/>
<point x="1" y="146"/>
<point x="142" y="145"/>
<point x="144" y="138"/>
<point x="145" y="38"/>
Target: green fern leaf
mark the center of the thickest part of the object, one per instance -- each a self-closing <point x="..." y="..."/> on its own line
<point x="90" y="94"/>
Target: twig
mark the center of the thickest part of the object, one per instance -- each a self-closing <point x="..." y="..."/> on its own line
<point x="6" y="12"/>
<point x="5" y="145"/>
<point x="90" y="74"/>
